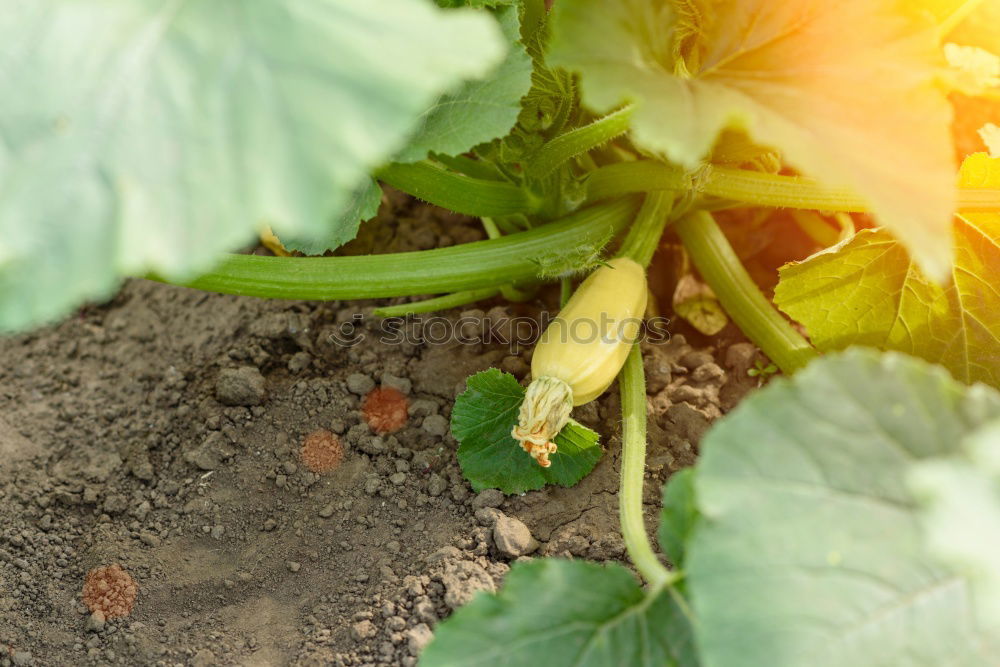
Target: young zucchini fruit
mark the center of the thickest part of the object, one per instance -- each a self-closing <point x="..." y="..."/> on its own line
<point x="581" y="352"/>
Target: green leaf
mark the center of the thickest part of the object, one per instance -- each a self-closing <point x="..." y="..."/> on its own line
<point x="566" y="614"/>
<point x="797" y="76"/>
<point x="361" y="207"/>
<point x="480" y="110"/>
<point x="152" y="135"/>
<point x="678" y="516"/>
<point x="809" y="549"/>
<point x="961" y="498"/>
<point x="868" y="292"/>
<point x="490" y="458"/>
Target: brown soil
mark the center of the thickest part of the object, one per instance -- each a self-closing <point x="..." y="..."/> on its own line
<point x="163" y="431"/>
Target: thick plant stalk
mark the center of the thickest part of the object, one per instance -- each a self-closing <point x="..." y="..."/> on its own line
<point x="752" y="312"/>
<point x="470" y="266"/>
<point x="458" y="192"/>
<point x="752" y="187"/>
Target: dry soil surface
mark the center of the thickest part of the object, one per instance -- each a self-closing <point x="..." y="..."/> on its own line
<point x="162" y="432"/>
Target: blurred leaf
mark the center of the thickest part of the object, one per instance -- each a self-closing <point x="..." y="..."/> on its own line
<point x="797" y="76"/>
<point x="695" y="302"/>
<point x="961" y="497"/>
<point x="361" y="207"/>
<point x="678" y="516"/>
<point x="480" y="110"/>
<point x="868" y="292"/>
<point x="566" y="614"/>
<point x="152" y="135"/>
<point x="809" y="548"/>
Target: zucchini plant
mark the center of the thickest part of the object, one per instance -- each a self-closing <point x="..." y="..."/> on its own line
<point x="585" y="136"/>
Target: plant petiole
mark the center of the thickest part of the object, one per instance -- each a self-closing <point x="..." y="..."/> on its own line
<point x="776" y="190"/>
<point x="621" y="178"/>
<point x="577" y="141"/>
<point x="458" y="192"/>
<point x="515" y="258"/>
<point x="443" y="302"/>
<point x="752" y="312"/>
<point x="632" y="385"/>
<point x="644" y="235"/>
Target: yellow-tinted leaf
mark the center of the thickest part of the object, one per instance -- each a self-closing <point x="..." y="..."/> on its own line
<point x="846" y="90"/>
<point x="696" y="302"/>
<point x="868" y="292"/>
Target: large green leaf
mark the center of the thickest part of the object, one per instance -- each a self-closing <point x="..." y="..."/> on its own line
<point x="481" y="110"/>
<point x="867" y="292"/>
<point x="846" y="90"/>
<point x="482" y="420"/>
<point x="566" y="614"/>
<point x="154" y="134"/>
<point x="809" y="549"/>
<point x="962" y="515"/>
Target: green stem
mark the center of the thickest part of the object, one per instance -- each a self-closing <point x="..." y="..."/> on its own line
<point x="752" y="312"/>
<point x="437" y="303"/>
<point x="763" y="189"/>
<point x="632" y="384"/>
<point x="458" y="192"/>
<point x="580" y="140"/>
<point x="644" y="236"/>
<point x="623" y="178"/>
<point x="468" y="266"/>
<point x="565" y="290"/>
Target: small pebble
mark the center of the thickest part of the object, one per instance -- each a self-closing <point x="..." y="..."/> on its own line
<point x="359" y="383"/>
<point x="512" y="538"/>
<point x="435" y="425"/>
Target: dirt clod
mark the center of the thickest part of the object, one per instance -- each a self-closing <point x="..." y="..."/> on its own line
<point x="110" y="591"/>
<point x="243" y="386"/>
<point x="322" y="451"/>
<point x="386" y="410"/>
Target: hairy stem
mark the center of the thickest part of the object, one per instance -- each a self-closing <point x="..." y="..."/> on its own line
<point x="752" y="312"/>
<point x="458" y="192"/>
<point x="470" y="266"/>
<point x="623" y="178"/>
<point x="632" y="384"/>
<point x="762" y="189"/>
<point x="580" y="140"/>
<point x="752" y="187"/>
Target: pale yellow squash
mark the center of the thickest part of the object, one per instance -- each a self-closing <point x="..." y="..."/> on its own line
<point x="581" y="352"/>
